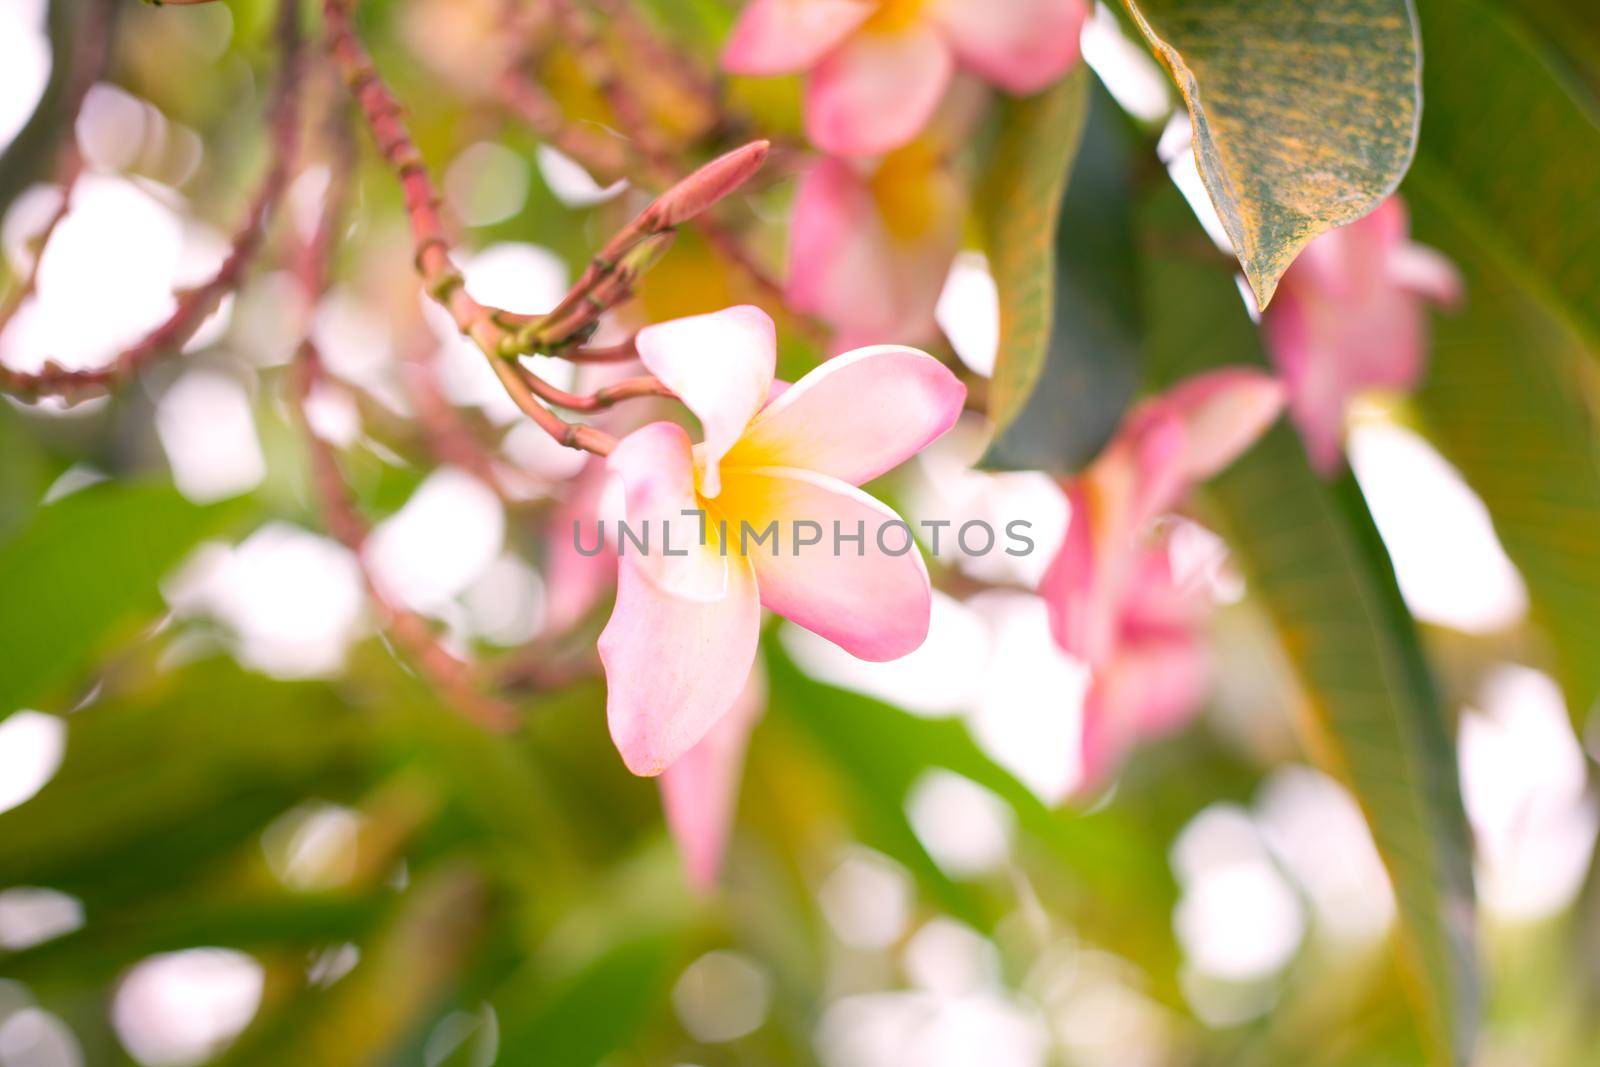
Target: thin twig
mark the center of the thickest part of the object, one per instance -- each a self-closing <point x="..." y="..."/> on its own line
<point x="599" y="400"/>
<point x="578" y="32"/>
<point x="611" y="272"/>
<point x="195" y="305"/>
<point x="445" y="432"/>
<point x="452" y="677"/>
<point x="439" y="276"/>
<point x="646" y="43"/>
<point x="93" y="52"/>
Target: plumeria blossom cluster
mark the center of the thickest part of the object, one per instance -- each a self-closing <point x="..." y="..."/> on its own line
<point x="891" y="94"/>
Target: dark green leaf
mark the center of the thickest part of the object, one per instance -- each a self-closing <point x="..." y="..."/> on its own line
<point x="1508" y="155"/>
<point x="87" y="566"/>
<point x="1091" y="365"/>
<point x="1506" y="400"/>
<point x="1571" y="28"/>
<point x="1305" y="114"/>
<point x="1313" y="560"/>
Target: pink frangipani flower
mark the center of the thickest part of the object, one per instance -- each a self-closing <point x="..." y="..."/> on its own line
<point x="877" y="69"/>
<point x="1113" y="599"/>
<point x="1349" y="316"/>
<point x="682" y="638"/>
<point x="870" y="247"/>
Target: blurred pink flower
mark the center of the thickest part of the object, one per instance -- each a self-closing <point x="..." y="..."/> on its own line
<point x="700" y="792"/>
<point x="877" y="70"/>
<point x="1349" y="316"/>
<point x="870" y="247"/>
<point x="682" y="638"/>
<point x="1114" y="601"/>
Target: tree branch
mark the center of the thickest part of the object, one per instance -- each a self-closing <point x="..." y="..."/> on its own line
<point x="196" y="305"/>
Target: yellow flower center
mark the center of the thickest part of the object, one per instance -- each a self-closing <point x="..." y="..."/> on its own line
<point x="906" y="190"/>
<point x="893" y="16"/>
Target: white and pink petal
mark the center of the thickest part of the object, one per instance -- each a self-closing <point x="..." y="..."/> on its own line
<point x="721" y="366"/>
<point x="1020" y="45"/>
<point x="877" y="90"/>
<point x="856" y="416"/>
<point x="675" y="666"/>
<point x="785" y="36"/>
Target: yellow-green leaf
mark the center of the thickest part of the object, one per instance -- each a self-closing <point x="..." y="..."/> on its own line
<point x="85" y="568"/>
<point x="1021" y="202"/>
<point x="1091" y="357"/>
<point x="1305" y="114"/>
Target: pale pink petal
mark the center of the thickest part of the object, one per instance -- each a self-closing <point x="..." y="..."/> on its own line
<point x="1160" y="477"/>
<point x="1315" y="379"/>
<point x="700" y="792"/>
<point x="582" y="563"/>
<point x="872" y="600"/>
<point x="665" y="534"/>
<point x="785" y="36"/>
<point x="1223" y="412"/>
<point x="1167" y="682"/>
<point x="836" y="244"/>
<point x="856" y="416"/>
<point x="721" y="366"/>
<point x="1146" y="692"/>
<point x="1081" y="617"/>
<point x="877" y="90"/>
<point x="846" y="268"/>
<point x="1426" y="272"/>
<point x="1156" y="606"/>
<point x="1350" y="318"/>
<point x="1142" y="474"/>
<point x="1020" y="45"/>
<point x="1104" y="740"/>
<point x="674" y="666"/>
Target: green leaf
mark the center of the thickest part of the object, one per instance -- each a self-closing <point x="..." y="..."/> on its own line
<point x="1507" y="401"/>
<point x="1503" y="185"/>
<point x="589" y="1014"/>
<point x="1305" y="115"/>
<point x="234" y="750"/>
<point x="1571" y="28"/>
<point x="86" y="566"/>
<point x="1508" y="155"/>
<point x="1091" y="363"/>
<point x="1021" y="201"/>
<point x="1313" y="560"/>
<point x="1117" y="878"/>
<point x="404" y="977"/>
<point x="23" y="475"/>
